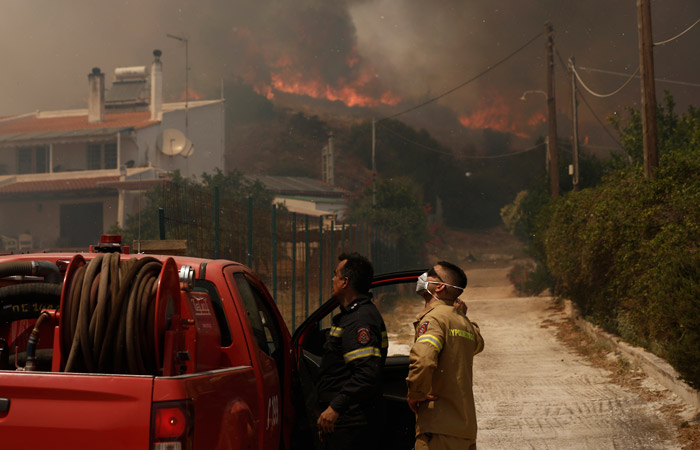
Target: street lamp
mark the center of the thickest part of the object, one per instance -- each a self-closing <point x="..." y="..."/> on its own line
<point x="532" y="91"/>
<point x="184" y="39"/>
<point x="546" y="138"/>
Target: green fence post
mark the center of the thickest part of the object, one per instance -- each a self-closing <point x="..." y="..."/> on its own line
<point x="359" y="242"/>
<point x="350" y="233"/>
<point x="331" y="256"/>
<point x="320" y="260"/>
<point x="331" y="252"/>
<point x="161" y="223"/>
<point x="217" y="236"/>
<point x="250" y="232"/>
<point x="294" y="271"/>
<point x="274" y="252"/>
<point x="342" y="238"/>
<point x="306" y="266"/>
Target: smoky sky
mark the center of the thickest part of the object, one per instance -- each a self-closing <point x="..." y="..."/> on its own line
<point x="402" y="51"/>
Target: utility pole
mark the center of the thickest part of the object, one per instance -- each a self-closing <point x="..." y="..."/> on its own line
<point x="374" y="166"/>
<point x="574" y="125"/>
<point x="552" y="115"/>
<point x="646" y="65"/>
<point x="328" y="162"/>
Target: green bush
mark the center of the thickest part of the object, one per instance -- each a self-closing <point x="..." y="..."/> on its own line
<point x="627" y="251"/>
<point x="528" y="280"/>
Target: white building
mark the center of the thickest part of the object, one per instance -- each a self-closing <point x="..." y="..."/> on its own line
<point x="304" y="195"/>
<point x="68" y="176"/>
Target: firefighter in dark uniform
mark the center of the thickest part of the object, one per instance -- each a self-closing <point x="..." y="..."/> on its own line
<point x="349" y="387"/>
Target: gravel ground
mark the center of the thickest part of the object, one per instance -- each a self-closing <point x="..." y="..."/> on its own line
<point x="533" y="392"/>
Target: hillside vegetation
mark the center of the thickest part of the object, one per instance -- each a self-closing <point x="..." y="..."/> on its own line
<point x="465" y="191"/>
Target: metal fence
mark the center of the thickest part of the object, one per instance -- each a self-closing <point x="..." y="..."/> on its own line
<point x="294" y="254"/>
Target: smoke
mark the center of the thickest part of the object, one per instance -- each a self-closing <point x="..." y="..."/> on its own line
<point x="381" y="54"/>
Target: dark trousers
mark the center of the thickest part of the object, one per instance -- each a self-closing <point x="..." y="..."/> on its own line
<point x="362" y="437"/>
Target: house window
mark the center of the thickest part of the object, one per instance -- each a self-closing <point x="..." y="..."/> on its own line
<point x="101" y="156"/>
<point x="94" y="156"/>
<point x="32" y="160"/>
<point x="110" y="156"/>
<point x="42" y="159"/>
<point x="24" y="160"/>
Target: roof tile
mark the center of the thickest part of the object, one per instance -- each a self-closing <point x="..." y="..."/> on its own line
<point x="35" y="124"/>
<point x="76" y="184"/>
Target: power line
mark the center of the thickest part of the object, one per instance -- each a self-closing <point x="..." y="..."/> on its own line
<point x="621" y="74"/>
<point x="504" y="155"/>
<point x="678" y="35"/>
<point x="442" y="152"/>
<point x="610" y="94"/>
<point x="585" y="102"/>
<point x="600" y="122"/>
<point x="479" y="75"/>
<point x="410" y="141"/>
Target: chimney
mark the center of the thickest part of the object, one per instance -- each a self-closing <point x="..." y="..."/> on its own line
<point x="96" y="96"/>
<point x="156" y="106"/>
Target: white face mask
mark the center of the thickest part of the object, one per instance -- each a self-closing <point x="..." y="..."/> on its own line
<point x="422" y="283"/>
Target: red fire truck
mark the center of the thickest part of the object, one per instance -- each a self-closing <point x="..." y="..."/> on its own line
<point x="110" y="350"/>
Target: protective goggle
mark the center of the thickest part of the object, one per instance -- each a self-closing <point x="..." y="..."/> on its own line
<point x="433" y="273"/>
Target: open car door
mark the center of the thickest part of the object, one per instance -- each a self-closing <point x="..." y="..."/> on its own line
<point x="395" y="297"/>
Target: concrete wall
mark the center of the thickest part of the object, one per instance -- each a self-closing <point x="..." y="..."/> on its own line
<point x="205" y="130"/>
<point x="42" y="219"/>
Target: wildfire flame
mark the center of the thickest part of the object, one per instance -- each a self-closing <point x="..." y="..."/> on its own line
<point x="359" y="86"/>
<point x="191" y="94"/>
<point x="493" y="113"/>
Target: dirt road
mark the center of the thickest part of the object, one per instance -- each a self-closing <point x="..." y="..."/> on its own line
<point x="533" y="392"/>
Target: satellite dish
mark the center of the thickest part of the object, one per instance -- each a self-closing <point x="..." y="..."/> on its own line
<point x="173" y="142"/>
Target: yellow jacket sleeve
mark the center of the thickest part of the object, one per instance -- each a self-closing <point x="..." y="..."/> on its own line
<point x="424" y="355"/>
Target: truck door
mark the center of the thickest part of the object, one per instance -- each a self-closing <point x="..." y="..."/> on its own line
<point x="264" y="341"/>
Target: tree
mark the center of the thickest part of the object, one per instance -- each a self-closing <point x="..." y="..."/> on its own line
<point x="400" y="212"/>
<point x="179" y="191"/>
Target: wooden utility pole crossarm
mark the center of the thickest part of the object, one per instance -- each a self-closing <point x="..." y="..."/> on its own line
<point x="552" y="114"/>
<point x="646" y="64"/>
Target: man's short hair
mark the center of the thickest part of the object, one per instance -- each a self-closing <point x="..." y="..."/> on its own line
<point x="358" y="270"/>
<point x="457" y="275"/>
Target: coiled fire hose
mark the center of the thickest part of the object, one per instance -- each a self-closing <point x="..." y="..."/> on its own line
<point x="109" y="316"/>
<point x="15" y="300"/>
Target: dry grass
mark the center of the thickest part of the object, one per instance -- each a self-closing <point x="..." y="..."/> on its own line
<point x="623" y="373"/>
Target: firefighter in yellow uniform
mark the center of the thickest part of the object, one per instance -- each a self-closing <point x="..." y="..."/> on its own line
<point x="440" y="371"/>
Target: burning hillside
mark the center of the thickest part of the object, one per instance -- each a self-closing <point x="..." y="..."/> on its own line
<point x="340" y="75"/>
<point x="494" y="113"/>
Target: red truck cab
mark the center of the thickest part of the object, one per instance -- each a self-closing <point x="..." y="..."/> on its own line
<point x="224" y="380"/>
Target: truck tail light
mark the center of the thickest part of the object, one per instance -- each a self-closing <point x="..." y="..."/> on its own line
<point x="171" y="425"/>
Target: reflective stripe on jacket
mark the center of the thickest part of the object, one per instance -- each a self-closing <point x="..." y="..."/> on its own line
<point x="353" y="358"/>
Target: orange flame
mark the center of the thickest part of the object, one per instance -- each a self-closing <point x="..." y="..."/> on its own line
<point x="493" y="113"/>
<point x="284" y="73"/>
<point x="191" y="94"/>
<point x="537" y="119"/>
